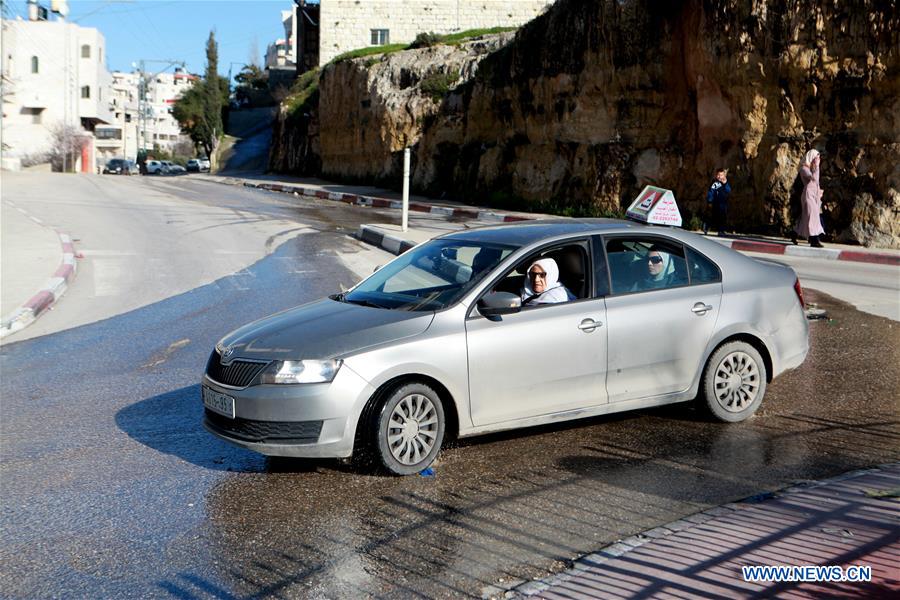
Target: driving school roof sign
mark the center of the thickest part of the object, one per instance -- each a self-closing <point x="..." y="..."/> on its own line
<point x="655" y="206"/>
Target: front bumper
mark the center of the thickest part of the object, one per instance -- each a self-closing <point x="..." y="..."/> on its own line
<point x="305" y="420"/>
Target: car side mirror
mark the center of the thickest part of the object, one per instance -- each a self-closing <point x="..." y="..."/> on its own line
<point x="496" y="304"/>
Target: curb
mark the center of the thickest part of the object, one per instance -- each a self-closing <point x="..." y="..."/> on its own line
<point x="54" y="289"/>
<point x="361" y="200"/>
<point x="372" y="235"/>
<point x="788" y="249"/>
<point x="491" y="216"/>
<point x="523" y="589"/>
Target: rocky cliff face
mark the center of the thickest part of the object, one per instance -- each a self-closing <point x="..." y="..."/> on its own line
<point x="593" y="100"/>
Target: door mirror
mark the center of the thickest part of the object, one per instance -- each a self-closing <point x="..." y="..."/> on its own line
<point x="499" y="303"/>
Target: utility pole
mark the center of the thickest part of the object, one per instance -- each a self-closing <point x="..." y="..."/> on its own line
<point x="142" y="93"/>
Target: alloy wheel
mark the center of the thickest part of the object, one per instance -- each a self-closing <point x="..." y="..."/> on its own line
<point x="412" y="429"/>
<point x="736" y="381"/>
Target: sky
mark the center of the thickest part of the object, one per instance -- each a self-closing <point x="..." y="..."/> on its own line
<point x="176" y="30"/>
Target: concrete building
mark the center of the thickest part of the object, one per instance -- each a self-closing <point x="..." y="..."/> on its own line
<point x="54" y="73"/>
<point x="344" y="25"/>
<point x="281" y="53"/>
<point x="119" y="139"/>
<point x="129" y="133"/>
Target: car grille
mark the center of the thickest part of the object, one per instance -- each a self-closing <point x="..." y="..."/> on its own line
<point x="274" y="432"/>
<point x="237" y="374"/>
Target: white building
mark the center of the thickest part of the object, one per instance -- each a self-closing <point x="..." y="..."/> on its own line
<point x="281" y="53"/>
<point x="119" y="139"/>
<point x="129" y="133"/>
<point x="54" y="73"/>
<point x="344" y="25"/>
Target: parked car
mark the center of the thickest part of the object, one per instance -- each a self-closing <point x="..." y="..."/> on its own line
<point x="437" y="344"/>
<point x="132" y="168"/>
<point x="198" y="164"/>
<point x="117" y="166"/>
<point x="154" y="167"/>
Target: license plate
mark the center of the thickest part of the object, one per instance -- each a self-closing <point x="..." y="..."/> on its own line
<point x="220" y="403"/>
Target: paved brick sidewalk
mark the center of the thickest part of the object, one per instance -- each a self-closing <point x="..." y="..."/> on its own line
<point x="849" y="520"/>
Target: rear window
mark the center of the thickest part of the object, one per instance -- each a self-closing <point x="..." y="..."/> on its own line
<point x="702" y="269"/>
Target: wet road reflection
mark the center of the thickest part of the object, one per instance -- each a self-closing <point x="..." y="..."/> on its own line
<point x="111" y="488"/>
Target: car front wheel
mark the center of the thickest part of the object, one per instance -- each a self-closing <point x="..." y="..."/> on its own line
<point x="734" y="382"/>
<point x="410" y="429"/>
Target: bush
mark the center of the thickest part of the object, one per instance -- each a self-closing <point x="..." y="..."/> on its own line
<point x="425" y="40"/>
<point x="437" y="85"/>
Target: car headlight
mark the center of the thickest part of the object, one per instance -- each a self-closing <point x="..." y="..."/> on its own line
<point x="300" y="371"/>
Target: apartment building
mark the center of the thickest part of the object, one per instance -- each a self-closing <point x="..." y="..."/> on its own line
<point x="54" y="73"/>
<point x="129" y="133"/>
<point x="281" y="52"/>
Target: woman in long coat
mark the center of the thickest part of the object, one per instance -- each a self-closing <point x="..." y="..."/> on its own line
<point x="810" y="225"/>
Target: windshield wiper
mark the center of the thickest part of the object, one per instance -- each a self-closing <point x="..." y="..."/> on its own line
<point x="362" y="302"/>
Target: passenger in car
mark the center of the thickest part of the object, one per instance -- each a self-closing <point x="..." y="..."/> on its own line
<point x="658" y="274"/>
<point x="542" y="284"/>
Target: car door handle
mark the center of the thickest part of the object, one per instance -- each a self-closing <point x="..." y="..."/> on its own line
<point x="589" y="325"/>
<point x="701" y="309"/>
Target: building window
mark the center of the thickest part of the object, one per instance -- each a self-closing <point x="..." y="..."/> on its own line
<point x="35" y="114"/>
<point x="86" y="91"/>
<point x="381" y="37"/>
<point x="85" y="51"/>
<point x="34" y="64"/>
<point x="108" y="134"/>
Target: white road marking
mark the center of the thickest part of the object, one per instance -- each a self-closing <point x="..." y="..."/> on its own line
<point x="108" y="275"/>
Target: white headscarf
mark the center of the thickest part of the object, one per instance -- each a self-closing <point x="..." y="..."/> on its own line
<point x="554" y="291"/>
<point x="811" y="156"/>
<point x="667" y="258"/>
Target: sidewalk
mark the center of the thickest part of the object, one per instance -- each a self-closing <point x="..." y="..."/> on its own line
<point x="850" y="520"/>
<point x="469" y="216"/>
<point x="37" y="263"/>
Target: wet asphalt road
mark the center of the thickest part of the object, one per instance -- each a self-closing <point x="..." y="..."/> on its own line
<point x="111" y="488"/>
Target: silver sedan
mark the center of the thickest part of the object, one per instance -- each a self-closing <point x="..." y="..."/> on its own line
<point x="505" y="327"/>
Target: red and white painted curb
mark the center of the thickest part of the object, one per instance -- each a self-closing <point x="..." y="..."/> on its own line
<point x="881" y="258"/>
<point x="394" y="245"/>
<point x="45" y="298"/>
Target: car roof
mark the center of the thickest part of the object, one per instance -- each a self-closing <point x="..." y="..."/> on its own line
<point x="526" y="232"/>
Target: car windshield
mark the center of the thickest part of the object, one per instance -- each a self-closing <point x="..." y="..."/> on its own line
<point x="429" y="277"/>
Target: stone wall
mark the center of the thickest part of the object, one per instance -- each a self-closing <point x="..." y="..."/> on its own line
<point x="593" y="100"/>
<point x="346" y="25"/>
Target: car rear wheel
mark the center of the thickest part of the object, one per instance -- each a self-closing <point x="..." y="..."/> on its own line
<point x="734" y="382"/>
<point x="410" y="429"/>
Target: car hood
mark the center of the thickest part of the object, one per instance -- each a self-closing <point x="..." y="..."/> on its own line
<point x="323" y="329"/>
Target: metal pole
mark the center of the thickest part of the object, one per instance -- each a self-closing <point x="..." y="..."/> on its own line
<point x="405" y="188"/>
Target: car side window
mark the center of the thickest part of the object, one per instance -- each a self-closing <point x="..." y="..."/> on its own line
<point x="637" y="264"/>
<point x="566" y="269"/>
<point x="701" y="269"/>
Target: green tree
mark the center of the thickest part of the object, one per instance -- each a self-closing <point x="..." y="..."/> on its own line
<point x="199" y="109"/>
<point x="253" y="77"/>
<point x="214" y="101"/>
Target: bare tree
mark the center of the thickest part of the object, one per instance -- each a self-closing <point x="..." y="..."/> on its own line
<point x="253" y="54"/>
<point x="66" y="143"/>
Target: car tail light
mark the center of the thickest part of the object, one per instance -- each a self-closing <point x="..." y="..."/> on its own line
<point x="799" y="291"/>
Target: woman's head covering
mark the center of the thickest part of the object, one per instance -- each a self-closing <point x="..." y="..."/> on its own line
<point x="667" y="258"/>
<point x="552" y="281"/>
<point x="811" y="156"/>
